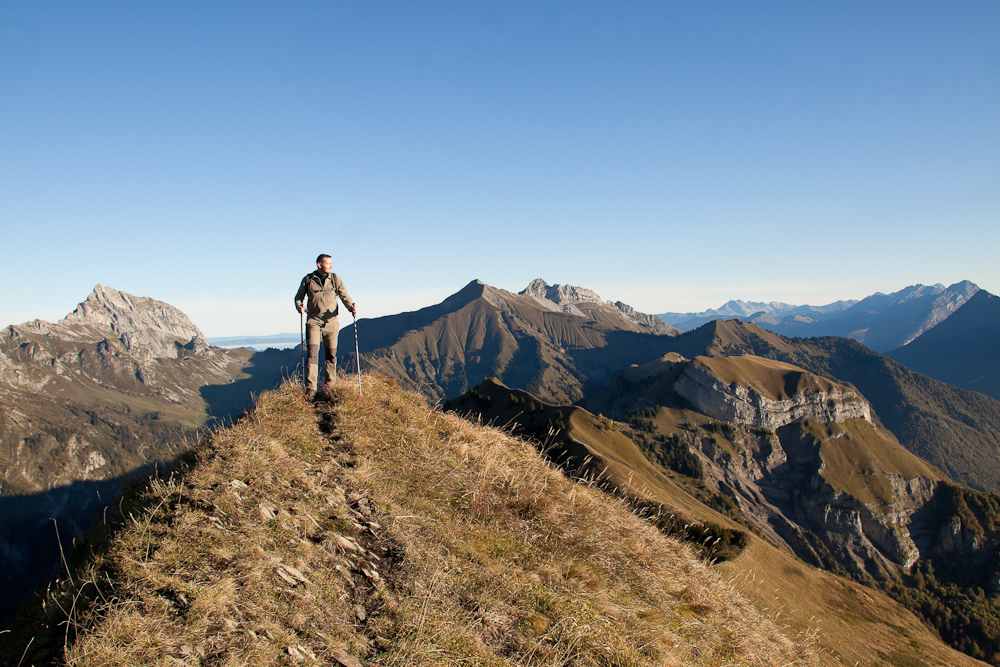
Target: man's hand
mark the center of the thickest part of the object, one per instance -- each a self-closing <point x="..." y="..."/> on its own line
<point x="354" y="309"/>
<point x="302" y="308"/>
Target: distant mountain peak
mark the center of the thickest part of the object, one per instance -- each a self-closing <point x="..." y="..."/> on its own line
<point x="145" y="326"/>
<point x="561" y="298"/>
<point x="568" y="298"/>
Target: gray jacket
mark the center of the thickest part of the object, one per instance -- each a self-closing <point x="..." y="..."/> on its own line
<point x="322" y="292"/>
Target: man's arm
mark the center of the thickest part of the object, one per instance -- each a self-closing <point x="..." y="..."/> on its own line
<point x="301" y="295"/>
<point x="338" y="285"/>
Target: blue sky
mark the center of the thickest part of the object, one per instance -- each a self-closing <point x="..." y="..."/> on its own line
<point x="669" y="155"/>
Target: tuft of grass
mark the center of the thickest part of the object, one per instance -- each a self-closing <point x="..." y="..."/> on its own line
<point x="372" y="529"/>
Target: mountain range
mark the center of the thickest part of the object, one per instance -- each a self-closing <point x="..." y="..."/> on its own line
<point x="739" y="309"/>
<point x="560" y="357"/>
<point x="821" y="447"/>
<point x="882" y="322"/>
<point x="555" y="341"/>
<point x="962" y="350"/>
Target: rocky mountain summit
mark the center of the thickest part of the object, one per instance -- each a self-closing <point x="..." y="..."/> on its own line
<point x="567" y="298"/>
<point x="146" y="327"/>
<point x="113" y="340"/>
<point x="550" y="339"/>
<point x="560" y="297"/>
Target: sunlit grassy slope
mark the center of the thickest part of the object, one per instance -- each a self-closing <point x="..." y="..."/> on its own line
<point x="372" y="530"/>
<point x="848" y="623"/>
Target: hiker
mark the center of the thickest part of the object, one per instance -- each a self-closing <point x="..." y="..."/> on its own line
<point x="322" y="286"/>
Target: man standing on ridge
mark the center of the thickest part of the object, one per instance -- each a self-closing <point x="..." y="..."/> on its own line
<point x="322" y="286"/>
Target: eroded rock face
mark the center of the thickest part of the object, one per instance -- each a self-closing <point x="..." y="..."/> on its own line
<point x="568" y="298"/>
<point x="562" y="296"/>
<point x="777" y="480"/>
<point x="741" y="404"/>
<point x="147" y="327"/>
<point x="805" y="458"/>
<point x="114" y="340"/>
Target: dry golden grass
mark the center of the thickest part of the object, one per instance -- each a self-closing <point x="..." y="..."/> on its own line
<point x="773" y="379"/>
<point x="371" y="530"/>
<point x="509" y="562"/>
<point x="850" y="623"/>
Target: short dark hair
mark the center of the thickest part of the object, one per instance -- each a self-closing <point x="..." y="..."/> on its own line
<point x="321" y="258"/>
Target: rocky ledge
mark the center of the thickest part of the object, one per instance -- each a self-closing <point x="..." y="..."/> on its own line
<point x="765" y="393"/>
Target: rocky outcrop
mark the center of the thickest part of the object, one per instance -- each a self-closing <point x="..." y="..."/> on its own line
<point x="147" y="328"/>
<point x="561" y="298"/>
<point x="782" y="482"/>
<point x="741" y="403"/>
<point x="578" y="301"/>
<point x="801" y="458"/>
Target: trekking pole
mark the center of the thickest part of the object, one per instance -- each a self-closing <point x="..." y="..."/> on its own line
<point x="357" y="353"/>
<point x="302" y="331"/>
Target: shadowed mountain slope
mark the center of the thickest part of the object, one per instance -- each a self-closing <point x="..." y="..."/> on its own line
<point x="963" y="350"/>
<point x="377" y="531"/>
<point x="554" y="348"/>
<point x="883" y="321"/>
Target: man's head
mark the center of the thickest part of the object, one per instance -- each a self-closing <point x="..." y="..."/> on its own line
<point x="324" y="263"/>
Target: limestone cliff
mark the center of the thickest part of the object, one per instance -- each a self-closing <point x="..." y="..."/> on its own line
<point x="114" y="340"/>
<point x="146" y="327"/>
<point x="799" y="454"/>
<point x="808" y="459"/>
<point x="765" y="393"/>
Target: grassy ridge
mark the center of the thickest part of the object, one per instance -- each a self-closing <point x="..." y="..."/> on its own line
<point x="371" y="530"/>
<point x="857" y="625"/>
<point x="616" y="458"/>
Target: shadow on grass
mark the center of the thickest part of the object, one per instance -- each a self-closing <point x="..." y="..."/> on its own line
<point x="38" y="527"/>
<point x="264" y="371"/>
